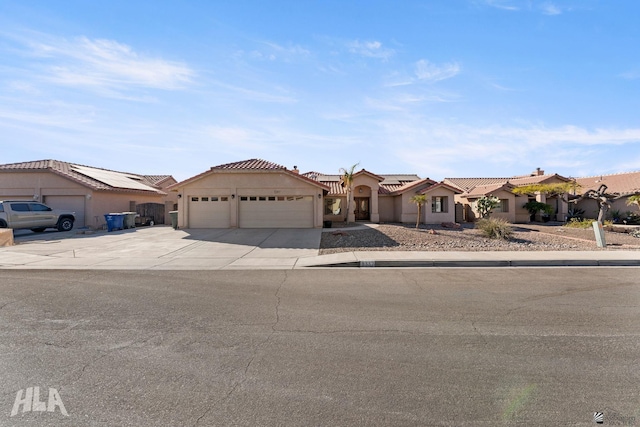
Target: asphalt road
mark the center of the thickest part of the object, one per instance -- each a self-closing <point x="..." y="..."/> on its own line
<point x="342" y="347"/>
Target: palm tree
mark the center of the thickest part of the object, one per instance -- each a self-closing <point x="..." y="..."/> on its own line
<point x="420" y="200"/>
<point x="347" y="181"/>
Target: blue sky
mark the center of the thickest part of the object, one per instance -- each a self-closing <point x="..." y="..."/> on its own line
<point x="449" y="88"/>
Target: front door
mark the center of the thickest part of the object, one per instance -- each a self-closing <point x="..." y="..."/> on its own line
<point x="362" y="209"/>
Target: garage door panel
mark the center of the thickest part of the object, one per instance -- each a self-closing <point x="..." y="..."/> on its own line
<point x="68" y="203"/>
<point x="276" y="212"/>
<point x="209" y="212"/>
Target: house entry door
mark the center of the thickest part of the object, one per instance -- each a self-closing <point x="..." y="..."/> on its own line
<point x="362" y="209"/>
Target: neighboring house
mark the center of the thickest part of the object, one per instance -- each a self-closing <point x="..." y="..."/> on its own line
<point x="256" y="193"/>
<point x="386" y="198"/>
<point x="620" y="186"/>
<point x="250" y="194"/>
<point x="511" y="206"/>
<point x="88" y="191"/>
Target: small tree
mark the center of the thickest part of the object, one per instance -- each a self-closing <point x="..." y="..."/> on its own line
<point x="420" y="200"/>
<point x="347" y="181"/>
<point x="634" y="200"/>
<point x="486" y="204"/>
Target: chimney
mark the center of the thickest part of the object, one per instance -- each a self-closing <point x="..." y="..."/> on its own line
<point x="538" y="172"/>
<point x="295" y="170"/>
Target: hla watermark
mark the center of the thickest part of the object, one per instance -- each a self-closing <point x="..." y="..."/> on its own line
<point x="29" y="399"/>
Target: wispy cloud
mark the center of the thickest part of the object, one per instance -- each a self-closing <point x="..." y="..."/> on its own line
<point x="454" y="147"/>
<point x="370" y="49"/>
<point x="271" y="51"/>
<point x="500" y="4"/>
<point x="106" y="66"/>
<point x="550" y="9"/>
<point x="427" y="71"/>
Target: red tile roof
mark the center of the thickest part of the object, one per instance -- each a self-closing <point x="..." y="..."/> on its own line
<point x="486" y="190"/>
<point x="68" y="171"/>
<point x="250" y="164"/>
<point x="621" y="184"/>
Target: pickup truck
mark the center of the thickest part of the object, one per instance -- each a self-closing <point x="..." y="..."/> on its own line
<point x="34" y="216"/>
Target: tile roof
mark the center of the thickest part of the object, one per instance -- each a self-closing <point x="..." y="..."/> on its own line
<point x="621" y="184"/>
<point x="250" y="164"/>
<point x="127" y="182"/>
<point x="254" y="165"/>
<point x="485" y="190"/>
<point x="440" y="185"/>
<point x="412" y="184"/>
<point x="466" y="184"/>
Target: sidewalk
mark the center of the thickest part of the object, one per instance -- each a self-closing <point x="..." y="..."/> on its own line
<point x="162" y="248"/>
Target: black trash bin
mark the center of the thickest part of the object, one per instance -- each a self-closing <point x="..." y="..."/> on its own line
<point x="174" y="219"/>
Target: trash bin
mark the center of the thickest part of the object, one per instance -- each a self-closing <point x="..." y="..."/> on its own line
<point x="115" y="221"/>
<point x="174" y="219"/>
<point x="327" y="224"/>
<point x="129" y="220"/>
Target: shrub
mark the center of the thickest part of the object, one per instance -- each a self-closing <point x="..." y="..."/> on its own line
<point x="635" y="233"/>
<point x="583" y="223"/>
<point x="495" y="228"/>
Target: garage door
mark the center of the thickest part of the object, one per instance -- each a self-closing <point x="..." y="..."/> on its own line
<point x="209" y="211"/>
<point x="276" y="211"/>
<point x="68" y="203"/>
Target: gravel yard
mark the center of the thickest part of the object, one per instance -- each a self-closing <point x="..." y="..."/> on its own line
<point x="526" y="237"/>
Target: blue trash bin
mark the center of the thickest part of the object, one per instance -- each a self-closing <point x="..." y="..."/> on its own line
<point x="115" y="221"/>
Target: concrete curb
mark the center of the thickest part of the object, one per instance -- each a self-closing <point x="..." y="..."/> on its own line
<point x="484" y="263"/>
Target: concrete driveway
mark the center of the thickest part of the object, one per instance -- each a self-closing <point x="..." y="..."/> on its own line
<point x="162" y="247"/>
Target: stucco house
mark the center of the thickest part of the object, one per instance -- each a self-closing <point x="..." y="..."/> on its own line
<point x="620" y="186"/>
<point x="90" y="192"/>
<point x="250" y="194"/>
<point x="511" y="206"/>
<point x="256" y="193"/>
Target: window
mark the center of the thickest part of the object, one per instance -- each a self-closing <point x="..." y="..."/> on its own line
<point x="20" y="207"/>
<point x="194" y="199"/>
<point x="272" y="198"/>
<point x="205" y="199"/>
<point x="439" y="204"/>
<point x="243" y="198"/>
<point x="39" y="207"/>
<point x="224" y="199"/>
<point x="332" y="206"/>
<point x="214" y="199"/>
<point x="1" y="207"/>
<point x="262" y="199"/>
<point x="503" y="206"/>
<point x="252" y="198"/>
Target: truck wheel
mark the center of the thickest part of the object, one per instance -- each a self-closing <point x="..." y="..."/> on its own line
<point x="3" y="224"/>
<point x="65" y="224"/>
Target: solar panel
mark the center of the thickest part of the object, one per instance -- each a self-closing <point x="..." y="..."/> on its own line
<point x="114" y="179"/>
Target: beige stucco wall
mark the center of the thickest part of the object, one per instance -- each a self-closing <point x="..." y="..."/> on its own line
<point x="102" y="203"/>
<point x="247" y="183"/>
<point x="592" y="208"/>
<point x="386" y="208"/>
<point x="440" y="217"/>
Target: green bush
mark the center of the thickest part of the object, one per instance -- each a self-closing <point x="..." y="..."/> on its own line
<point x="495" y="228"/>
<point x="583" y="223"/>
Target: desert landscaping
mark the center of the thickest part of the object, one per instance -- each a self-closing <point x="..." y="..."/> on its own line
<point x="526" y="237"/>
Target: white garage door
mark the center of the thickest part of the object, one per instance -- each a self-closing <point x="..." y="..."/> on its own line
<point x="68" y="203"/>
<point x="209" y="211"/>
<point x="276" y="211"/>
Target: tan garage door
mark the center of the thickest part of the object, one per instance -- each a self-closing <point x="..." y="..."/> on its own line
<point x="68" y="203"/>
<point x="209" y="211"/>
<point x="276" y="211"/>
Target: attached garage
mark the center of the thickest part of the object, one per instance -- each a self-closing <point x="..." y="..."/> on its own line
<point x="68" y="203"/>
<point x="276" y="211"/>
<point x="209" y="211"/>
<point x="250" y="194"/>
